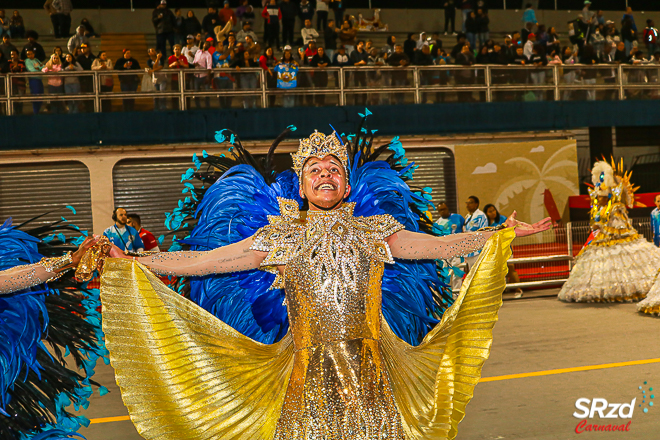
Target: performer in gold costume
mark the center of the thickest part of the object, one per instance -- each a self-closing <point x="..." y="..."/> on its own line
<point x="619" y="264"/>
<point x="340" y="372"/>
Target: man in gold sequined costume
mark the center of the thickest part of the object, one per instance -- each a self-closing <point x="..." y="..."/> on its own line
<point x="340" y="373"/>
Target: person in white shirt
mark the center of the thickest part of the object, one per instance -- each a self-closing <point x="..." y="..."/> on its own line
<point x="528" y="50"/>
<point x="203" y="61"/>
<point x="189" y="50"/>
<point x="308" y="32"/>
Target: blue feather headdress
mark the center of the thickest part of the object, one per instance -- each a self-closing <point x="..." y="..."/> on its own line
<point x="240" y="191"/>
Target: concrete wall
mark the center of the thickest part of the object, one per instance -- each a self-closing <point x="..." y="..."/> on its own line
<point x="399" y="20"/>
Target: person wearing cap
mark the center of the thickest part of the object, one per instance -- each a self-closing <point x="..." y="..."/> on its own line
<point x="190" y="49"/>
<point x="246" y="31"/>
<point x="164" y="22"/>
<point x="587" y="14"/>
<point x="78" y="39"/>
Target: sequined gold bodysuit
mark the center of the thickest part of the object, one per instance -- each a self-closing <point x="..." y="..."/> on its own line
<point x="339" y="388"/>
<point x="339" y="374"/>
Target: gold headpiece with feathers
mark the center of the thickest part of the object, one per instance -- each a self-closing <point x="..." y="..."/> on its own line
<point x="319" y="145"/>
<point x="612" y="179"/>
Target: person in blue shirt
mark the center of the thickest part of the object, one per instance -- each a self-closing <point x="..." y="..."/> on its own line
<point x="493" y="215"/>
<point x="287" y="75"/>
<point x="655" y="221"/>
<point x="122" y="235"/>
<point x="448" y="223"/>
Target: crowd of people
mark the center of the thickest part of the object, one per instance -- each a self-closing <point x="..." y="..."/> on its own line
<point x="224" y="40"/>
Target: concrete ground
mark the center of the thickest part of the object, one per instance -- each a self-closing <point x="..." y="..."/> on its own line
<point x="534" y="334"/>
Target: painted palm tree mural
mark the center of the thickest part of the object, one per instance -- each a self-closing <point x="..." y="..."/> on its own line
<point x="528" y="185"/>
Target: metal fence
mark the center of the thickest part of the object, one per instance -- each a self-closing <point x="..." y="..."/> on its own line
<point x="106" y="91"/>
<point x="546" y="259"/>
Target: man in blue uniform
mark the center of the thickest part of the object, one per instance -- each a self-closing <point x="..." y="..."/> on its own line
<point x="474" y="220"/>
<point x="123" y="236"/>
<point x="448" y="223"/>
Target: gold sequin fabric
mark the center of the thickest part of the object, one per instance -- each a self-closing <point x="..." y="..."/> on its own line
<point x="339" y="374"/>
<point x="339" y="388"/>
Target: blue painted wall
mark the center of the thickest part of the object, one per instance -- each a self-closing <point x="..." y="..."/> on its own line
<point x="99" y="129"/>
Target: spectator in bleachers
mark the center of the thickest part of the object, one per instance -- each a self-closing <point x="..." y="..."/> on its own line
<point x="308" y="32"/>
<point x="179" y="31"/>
<point x="529" y="45"/>
<point x="597" y="40"/>
<point x="164" y="22"/>
<point x="347" y="36"/>
<point x="128" y="83"/>
<point x="190" y="49"/>
<point x="493" y="215"/>
<point x="71" y="82"/>
<point x="245" y="12"/>
<point x="359" y="57"/>
<point x="203" y="62"/>
<point x="320" y="61"/>
<point x="629" y="16"/>
<point x="55" y="82"/>
<point x="210" y="21"/>
<point x="245" y="31"/>
<point x="553" y="43"/>
<point x="466" y="7"/>
<point x="273" y="14"/>
<point x="221" y="34"/>
<point x="227" y="14"/>
<point x="103" y="63"/>
<point x="607" y="56"/>
<point x="89" y="29"/>
<point x="58" y="51"/>
<point x="460" y="42"/>
<point x="17" y="26"/>
<point x="305" y="11"/>
<point x="177" y="61"/>
<point x="191" y="24"/>
<point x="399" y="77"/>
<point x="529" y="16"/>
<point x="33" y="45"/>
<point x="341" y="58"/>
<point x="247" y="80"/>
<point x="18" y="85"/>
<point x="483" y="29"/>
<point x="287" y="76"/>
<point x="86" y="59"/>
<point x="156" y="63"/>
<point x="650" y="37"/>
<point x="4" y="23"/>
<point x="330" y="35"/>
<point x="322" y="8"/>
<point x="223" y="58"/>
<point x="388" y="49"/>
<point x="289" y="11"/>
<point x="450" y="16"/>
<point x="587" y="14"/>
<point x="60" y="16"/>
<point x="338" y="8"/>
<point x="423" y="57"/>
<point x="589" y="57"/>
<point x="36" y="85"/>
<point x="524" y="33"/>
<point x="77" y="39"/>
<point x="267" y="62"/>
<point x="628" y="35"/>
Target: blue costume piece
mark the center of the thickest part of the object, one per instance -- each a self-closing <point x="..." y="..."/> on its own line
<point x="36" y="386"/>
<point x="452" y="225"/>
<point x="500" y="221"/>
<point x="239" y="203"/>
<point x="655" y="226"/>
<point x="127" y="239"/>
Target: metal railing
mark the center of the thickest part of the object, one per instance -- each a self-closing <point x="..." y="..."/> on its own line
<point x="254" y="87"/>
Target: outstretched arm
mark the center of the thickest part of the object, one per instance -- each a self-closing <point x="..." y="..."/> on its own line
<point x="235" y="257"/>
<point x="408" y="245"/>
<point x="23" y="277"/>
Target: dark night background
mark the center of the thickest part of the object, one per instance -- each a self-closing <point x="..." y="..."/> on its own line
<point x="608" y="5"/>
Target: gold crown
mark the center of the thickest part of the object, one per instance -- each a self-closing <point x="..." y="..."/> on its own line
<point x="319" y="145"/>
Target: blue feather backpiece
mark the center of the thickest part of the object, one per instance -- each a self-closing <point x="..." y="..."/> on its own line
<point x="36" y="386"/>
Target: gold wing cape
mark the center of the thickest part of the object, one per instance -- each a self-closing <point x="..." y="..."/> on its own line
<point x="185" y="375"/>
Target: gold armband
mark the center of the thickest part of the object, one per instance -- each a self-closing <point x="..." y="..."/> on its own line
<point x="57" y="265"/>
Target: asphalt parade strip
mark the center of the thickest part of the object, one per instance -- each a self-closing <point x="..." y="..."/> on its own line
<point x="485" y="379"/>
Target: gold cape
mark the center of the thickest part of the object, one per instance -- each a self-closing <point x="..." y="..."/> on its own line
<point x="185" y="375"/>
